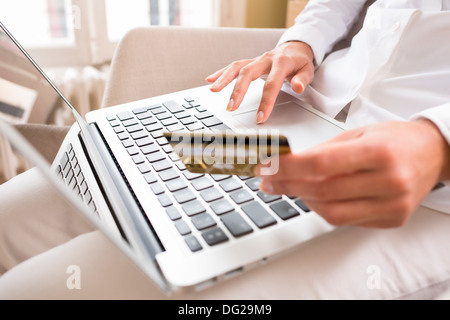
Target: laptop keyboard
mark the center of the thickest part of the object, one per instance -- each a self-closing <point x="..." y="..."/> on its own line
<point x="206" y="203"/>
<point x="69" y="170"/>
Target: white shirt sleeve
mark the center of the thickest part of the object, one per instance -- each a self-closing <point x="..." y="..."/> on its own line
<point x="322" y="23"/>
<point x="440" y="116"/>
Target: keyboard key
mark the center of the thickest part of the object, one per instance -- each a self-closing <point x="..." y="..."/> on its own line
<point x="137" y="159"/>
<point x="64" y="160"/>
<point x="230" y="185"/>
<point x="302" y="205"/>
<point x="202" y="183"/>
<point x="258" y="214"/>
<point x="161" y="165"/>
<point x="211" y="194"/>
<point x="198" y="107"/>
<point x="175" y="127"/>
<point x="125" y="115"/>
<point x="241" y="196"/>
<point x="214" y="236"/>
<point x="268" y="197"/>
<point x="182" y="227"/>
<point x="220" y="177"/>
<point x="236" y="224"/>
<point x="221" y="206"/>
<point x="176" y="184"/>
<point x="195" y="126"/>
<point x="127" y="143"/>
<point x="156" y="156"/>
<point x="144" y="142"/>
<point x="169" y="174"/>
<point x="148" y="121"/>
<point x="154" y="127"/>
<point x="133" y="151"/>
<point x="155" y="106"/>
<point x="158" y="110"/>
<point x="169" y="122"/>
<point x="183" y="196"/>
<point x="203" y="115"/>
<point x="162" y="141"/>
<point x="188" y="99"/>
<point x="143" y="116"/>
<point x="114" y="123"/>
<point x="119" y="130"/>
<point x="172" y="106"/>
<point x="180" y="165"/>
<point x="122" y="136"/>
<point x="156" y="188"/>
<point x="139" y="135"/>
<point x="129" y="122"/>
<point x="173" y="213"/>
<point x="165" y="200"/>
<point x="191" y="176"/>
<point x="203" y="221"/>
<point x="140" y="110"/>
<point x="212" y="122"/>
<point x="134" y="128"/>
<point x="163" y="116"/>
<point x="193" y="208"/>
<point x="254" y="184"/>
<point x="193" y="243"/>
<point x="144" y="168"/>
<point x="188" y="120"/>
<point x="157" y="134"/>
<point x="149" y="149"/>
<point x="150" y="178"/>
<point x="284" y="210"/>
<point x="182" y="115"/>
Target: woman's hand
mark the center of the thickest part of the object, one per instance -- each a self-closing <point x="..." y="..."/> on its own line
<point x="374" y="176"/>
<point x="292" y="61"/>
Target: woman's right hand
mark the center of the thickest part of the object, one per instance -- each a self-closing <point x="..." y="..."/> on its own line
<point x="292" y="61"/>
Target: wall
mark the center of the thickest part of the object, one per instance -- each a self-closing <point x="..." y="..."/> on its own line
<point x="266" y="13"/>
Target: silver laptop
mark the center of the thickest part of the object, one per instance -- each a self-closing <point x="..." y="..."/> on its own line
<point x="185" y="231"/>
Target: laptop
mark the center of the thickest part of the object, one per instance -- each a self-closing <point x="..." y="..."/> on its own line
<point x="184" y="230"/>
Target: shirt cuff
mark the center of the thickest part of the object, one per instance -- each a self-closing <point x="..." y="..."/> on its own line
<point x="440" y="116"/>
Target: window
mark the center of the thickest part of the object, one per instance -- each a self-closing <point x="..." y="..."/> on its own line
<point x="85" y="32"/>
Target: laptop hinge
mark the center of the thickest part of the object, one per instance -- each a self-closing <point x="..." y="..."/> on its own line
<point x="137" y="225"/>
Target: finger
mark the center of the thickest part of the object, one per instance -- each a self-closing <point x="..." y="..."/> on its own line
<point x="326" y="160"/>
<point x="247" y="74"/>
<point x="272" y="87"/>
<point x="363" y="212"/>
<point x="213" y="77"/>
<point x="302" y="78"/>
<point x="229" y="74"/>
<point x="367" y="184"/>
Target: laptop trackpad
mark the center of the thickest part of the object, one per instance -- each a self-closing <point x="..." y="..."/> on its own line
<point x="302" y="127"/>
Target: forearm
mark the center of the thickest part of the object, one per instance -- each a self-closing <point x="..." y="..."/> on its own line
<point x="323" y="23"/>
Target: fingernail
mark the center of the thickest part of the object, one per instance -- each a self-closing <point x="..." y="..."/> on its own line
<point x="303" y="87"/>
<point x="230" y="105"/>
<point x="260" y="117"/>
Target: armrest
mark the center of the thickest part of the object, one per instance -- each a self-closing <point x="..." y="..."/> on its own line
<point x="151" y="61"/>
<point x="45" y="138"/>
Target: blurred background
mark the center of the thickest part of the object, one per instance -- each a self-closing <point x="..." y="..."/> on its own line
<point x="74" y="41"/>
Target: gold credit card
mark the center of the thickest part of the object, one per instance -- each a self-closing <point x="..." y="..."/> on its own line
<point x="228" y="152"/>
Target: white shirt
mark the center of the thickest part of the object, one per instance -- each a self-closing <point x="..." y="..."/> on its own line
<point x="397" y="67"/>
